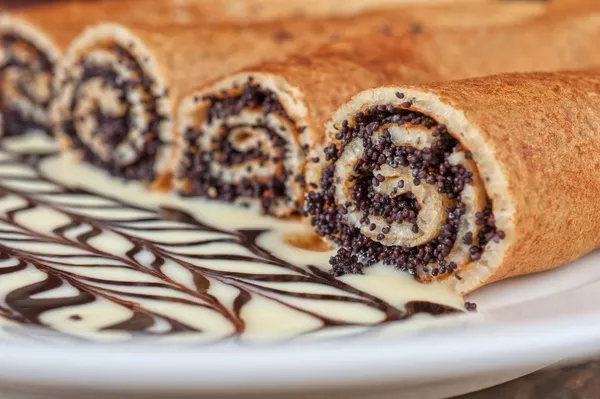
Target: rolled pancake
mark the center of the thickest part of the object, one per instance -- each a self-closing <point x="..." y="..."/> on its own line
<point x="115" y="86"/>
<point x="273" y="9"/>
<point x="245" y="138"/>
<point x="211" y="12"/>
<point x="561" y="6"/>
<point x="551" y="42"/>
<point x="27" y="62"/>
<point x="465" y="182"/>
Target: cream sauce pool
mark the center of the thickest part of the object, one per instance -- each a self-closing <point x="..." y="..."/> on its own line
<point x="87" y="256"/>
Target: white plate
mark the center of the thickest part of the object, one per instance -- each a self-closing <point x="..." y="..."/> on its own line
<point x="528" y="323"/>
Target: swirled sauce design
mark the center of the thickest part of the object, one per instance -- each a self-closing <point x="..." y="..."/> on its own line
<point x="92" y="257"/>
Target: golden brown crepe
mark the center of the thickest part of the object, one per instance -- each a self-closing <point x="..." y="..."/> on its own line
<point x="115" y="87"/>
<point x="464" y="182"/>
<point x="246" y="138"/>
<point x="156" y="65"/>
<point x="561" y="6"/>
<point x="217" y="12"/>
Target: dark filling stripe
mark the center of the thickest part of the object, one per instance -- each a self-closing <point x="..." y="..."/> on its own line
<point x="428" y="166"/>
<point x="14" y="121"/>
<point x="114" y="130"/>
<point x="195" y="167"/>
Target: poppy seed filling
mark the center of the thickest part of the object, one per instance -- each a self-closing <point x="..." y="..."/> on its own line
<point x="428" y="166"/>
<point x="31" y="64"/>
<point x="196" y="168"/>
<point x="114" y="129"/>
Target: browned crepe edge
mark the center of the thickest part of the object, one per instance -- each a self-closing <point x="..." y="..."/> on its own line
<point x="161" y="13"/>
<point x="548" y="43"/>
<point x="544" y="44"/>
<point x="547" y="152"/>
<point x="535" y="139"/>
<point x="572" y="6"/>
<point x="65" y="19"/>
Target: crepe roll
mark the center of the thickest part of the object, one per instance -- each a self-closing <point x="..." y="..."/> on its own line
<point x="246" y="138"/>
<point x="191" y="40"/>
<point x="247" y="12"/>
<point x="118" y="85"/>
<point x="27" y="63"/>
<point x="115" y="88"/>
<point x="462" y="183"/>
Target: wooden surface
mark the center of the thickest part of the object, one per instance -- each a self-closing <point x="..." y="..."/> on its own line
<point x="581" y="381"/>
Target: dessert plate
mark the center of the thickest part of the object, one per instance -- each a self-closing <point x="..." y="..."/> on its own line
<point x="523" y="324"/>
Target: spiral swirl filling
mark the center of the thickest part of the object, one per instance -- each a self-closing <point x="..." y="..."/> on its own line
<point x="396" y="187"/>
<point x="26" y="72"/>
<point x="111" y="110"/>
<point x="245" y="150"/>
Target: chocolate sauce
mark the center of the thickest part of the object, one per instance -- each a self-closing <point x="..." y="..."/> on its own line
<point x="414" y="307"/>
<point x="152" y="270"/>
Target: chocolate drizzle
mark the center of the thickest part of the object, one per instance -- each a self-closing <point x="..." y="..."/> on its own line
<point x="104" y="257"/>
<point x="23" y="300"/>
